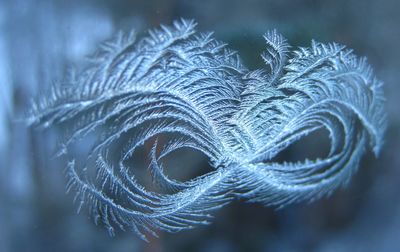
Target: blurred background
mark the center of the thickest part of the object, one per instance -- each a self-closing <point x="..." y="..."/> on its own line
<point x="40" y="39"/>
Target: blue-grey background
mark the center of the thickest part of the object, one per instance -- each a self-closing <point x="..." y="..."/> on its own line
<point x="39" y="40"/>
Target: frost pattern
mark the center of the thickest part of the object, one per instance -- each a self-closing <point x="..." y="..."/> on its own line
<point x="194" y="88"/>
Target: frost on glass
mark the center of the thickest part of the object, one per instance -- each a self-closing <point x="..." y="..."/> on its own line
<point x="191" y="87"/>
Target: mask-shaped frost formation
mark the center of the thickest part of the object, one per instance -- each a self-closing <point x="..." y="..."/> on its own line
<point x="192" y="87"/>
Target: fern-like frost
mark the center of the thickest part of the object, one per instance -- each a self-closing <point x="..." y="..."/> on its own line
<point x="188" y="85"/>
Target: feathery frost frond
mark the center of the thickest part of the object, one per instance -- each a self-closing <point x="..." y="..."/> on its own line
<point x="195" y="90"/>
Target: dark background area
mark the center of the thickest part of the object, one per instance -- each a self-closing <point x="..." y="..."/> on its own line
<point x="40" y="39"/>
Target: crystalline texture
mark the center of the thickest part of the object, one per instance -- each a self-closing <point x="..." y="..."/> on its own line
<point x="177" y="81"/>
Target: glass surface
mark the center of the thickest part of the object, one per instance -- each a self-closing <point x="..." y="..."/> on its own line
<point x="41" y="40"/>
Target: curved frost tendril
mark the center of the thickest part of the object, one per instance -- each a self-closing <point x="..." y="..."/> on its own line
<point x="175" y="81"/>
